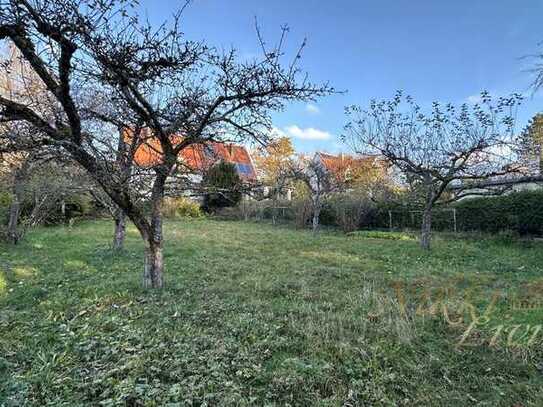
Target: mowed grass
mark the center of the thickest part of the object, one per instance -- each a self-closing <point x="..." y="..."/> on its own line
<point x="257" y="315"/>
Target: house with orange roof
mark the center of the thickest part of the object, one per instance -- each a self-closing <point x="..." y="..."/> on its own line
<point x="345" y="169"/>
<point x="198" y="158"/>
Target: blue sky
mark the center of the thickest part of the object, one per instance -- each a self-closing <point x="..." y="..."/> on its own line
<point x="432" y="49"/>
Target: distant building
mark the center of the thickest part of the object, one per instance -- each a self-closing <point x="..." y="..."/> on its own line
<point x="198" y="158"/>
<point x="526" y="177"/>
<point x="345" y="169"/>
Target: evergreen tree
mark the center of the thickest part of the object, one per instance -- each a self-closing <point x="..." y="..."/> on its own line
<point x="222" y="187"/>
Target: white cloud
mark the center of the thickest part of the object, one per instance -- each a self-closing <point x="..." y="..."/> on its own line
<point x="312" y="109"/>
<point x="308" y="133"/>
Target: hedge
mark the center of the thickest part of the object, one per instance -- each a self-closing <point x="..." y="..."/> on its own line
<point x="521" y="212"/>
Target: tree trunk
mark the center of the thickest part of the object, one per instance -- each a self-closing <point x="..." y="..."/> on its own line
<point x="154" y="267"/>
<point x="316" y="215"/>
<point x="154" y="262"/>
<point x="63" y="210"/>
<point x="274" y="209"/>
<point x="426" y="228"/>
<point x="15" y="208"/>
<point x="120" y="230"/>
<point x="125" y="164"/>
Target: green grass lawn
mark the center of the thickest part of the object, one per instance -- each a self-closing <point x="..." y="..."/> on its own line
<point x="256" y="315"/>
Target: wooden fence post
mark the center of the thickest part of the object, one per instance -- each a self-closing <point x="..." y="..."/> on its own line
<point x="390" y="220"/>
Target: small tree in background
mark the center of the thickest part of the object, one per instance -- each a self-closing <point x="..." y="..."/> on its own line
<point x="432" y="150"/>
<point x="272" y="162"/>
<point x="222" y="186"/>
<point x="316" y="179"/>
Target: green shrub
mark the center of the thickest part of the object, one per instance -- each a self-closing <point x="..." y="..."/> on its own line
<point x="520" y="212"/>
<point x="348" y="211"/>
<point x="223" y="186"/>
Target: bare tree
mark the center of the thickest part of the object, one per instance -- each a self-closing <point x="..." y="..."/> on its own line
<point x="40" y="184"/>
<point x="20" y="82"/>
<point x="317" y="180"/>
<point x="435" y="150"/>
<point x="182" y="92"/>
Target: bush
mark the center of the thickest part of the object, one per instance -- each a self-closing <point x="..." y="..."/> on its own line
<point x="520" y="212"/>
<point x="348" y="211"/>
<point x="50" y="211"/>
<point x="181" y="208"/>
<point x="224" y="186"/>
<point x="246" y="210"/>
<point x="302" y="211"/>
<point x="258" y="210"/>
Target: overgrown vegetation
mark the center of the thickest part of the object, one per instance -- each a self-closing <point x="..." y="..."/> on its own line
<point x="258" y="315"/>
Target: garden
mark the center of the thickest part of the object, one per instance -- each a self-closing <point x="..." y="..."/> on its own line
<point x="257" y="314"/>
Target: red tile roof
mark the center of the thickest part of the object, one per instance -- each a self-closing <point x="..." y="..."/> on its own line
<point x="343" y="166"/>
<point x="198" y="157"/>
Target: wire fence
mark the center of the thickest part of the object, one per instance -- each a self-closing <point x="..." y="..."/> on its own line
<point x="442" y="219"/>
<point x="520" y="213"/>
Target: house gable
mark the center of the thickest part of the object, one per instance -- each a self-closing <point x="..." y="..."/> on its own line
<point x="197" y="158"/>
